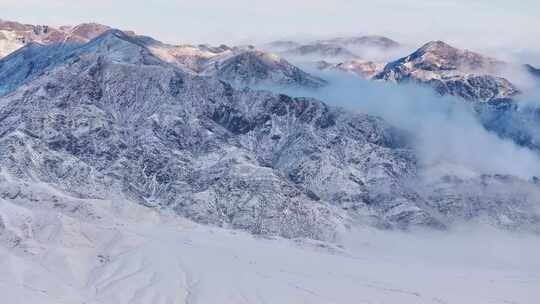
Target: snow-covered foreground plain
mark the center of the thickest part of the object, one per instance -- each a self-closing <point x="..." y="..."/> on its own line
<point x="126" y="253"/>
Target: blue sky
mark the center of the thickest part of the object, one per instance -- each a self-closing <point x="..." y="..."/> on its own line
<point x="473" y="23"/>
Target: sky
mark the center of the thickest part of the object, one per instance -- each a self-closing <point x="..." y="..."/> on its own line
<point x="477" y="24"/>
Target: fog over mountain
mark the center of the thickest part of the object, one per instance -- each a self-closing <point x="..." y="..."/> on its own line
<point x="336" y="165"/>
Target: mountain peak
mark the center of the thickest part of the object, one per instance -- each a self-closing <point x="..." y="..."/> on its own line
<point x="109" y="37"/>
<point x="252" y="66"/>
<point x="437" y="45"/>
<point x="453" y="70"/>
<point x="440" y="56"/>
<point x="88" y="31"/>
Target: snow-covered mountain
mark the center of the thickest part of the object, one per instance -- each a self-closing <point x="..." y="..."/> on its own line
<point x="452" y="71"/>
<point x="254" y="67"/>
<point x="14" y="35"/>
<point x="144" y="129"/>
<point x="239" y="66"/>
<point x="281" y="45"/>
<point x="113" y="119"/>
<point x="127" y="163"/>
<point x="242" y="66"/>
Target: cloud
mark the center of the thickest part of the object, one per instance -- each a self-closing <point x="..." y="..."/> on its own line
<point x="448" y="137"/>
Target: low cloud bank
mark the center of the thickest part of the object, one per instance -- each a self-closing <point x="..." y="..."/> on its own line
<point x="448" y="137"/>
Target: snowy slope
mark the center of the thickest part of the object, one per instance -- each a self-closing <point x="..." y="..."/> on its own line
<point x="75" y="250"/>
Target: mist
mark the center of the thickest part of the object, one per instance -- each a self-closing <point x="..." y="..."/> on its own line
<point x="448" y="137"/>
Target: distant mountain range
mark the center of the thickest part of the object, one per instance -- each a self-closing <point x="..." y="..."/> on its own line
<point x="239" y="65"/>
<point x="368" y="41"/>
<point x="343" y="48"/>
<point x="362" y="68"/>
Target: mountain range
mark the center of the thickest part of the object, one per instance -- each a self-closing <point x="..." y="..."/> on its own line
<point x="136" y="171"/>
<point x="118" y="116"/>
<point x="239" y="65"/>
<point x="450" y="71"/>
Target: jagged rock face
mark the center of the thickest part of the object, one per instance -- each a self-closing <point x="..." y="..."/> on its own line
<point x="452" y="71"/>
<point x="362" y="68"/>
